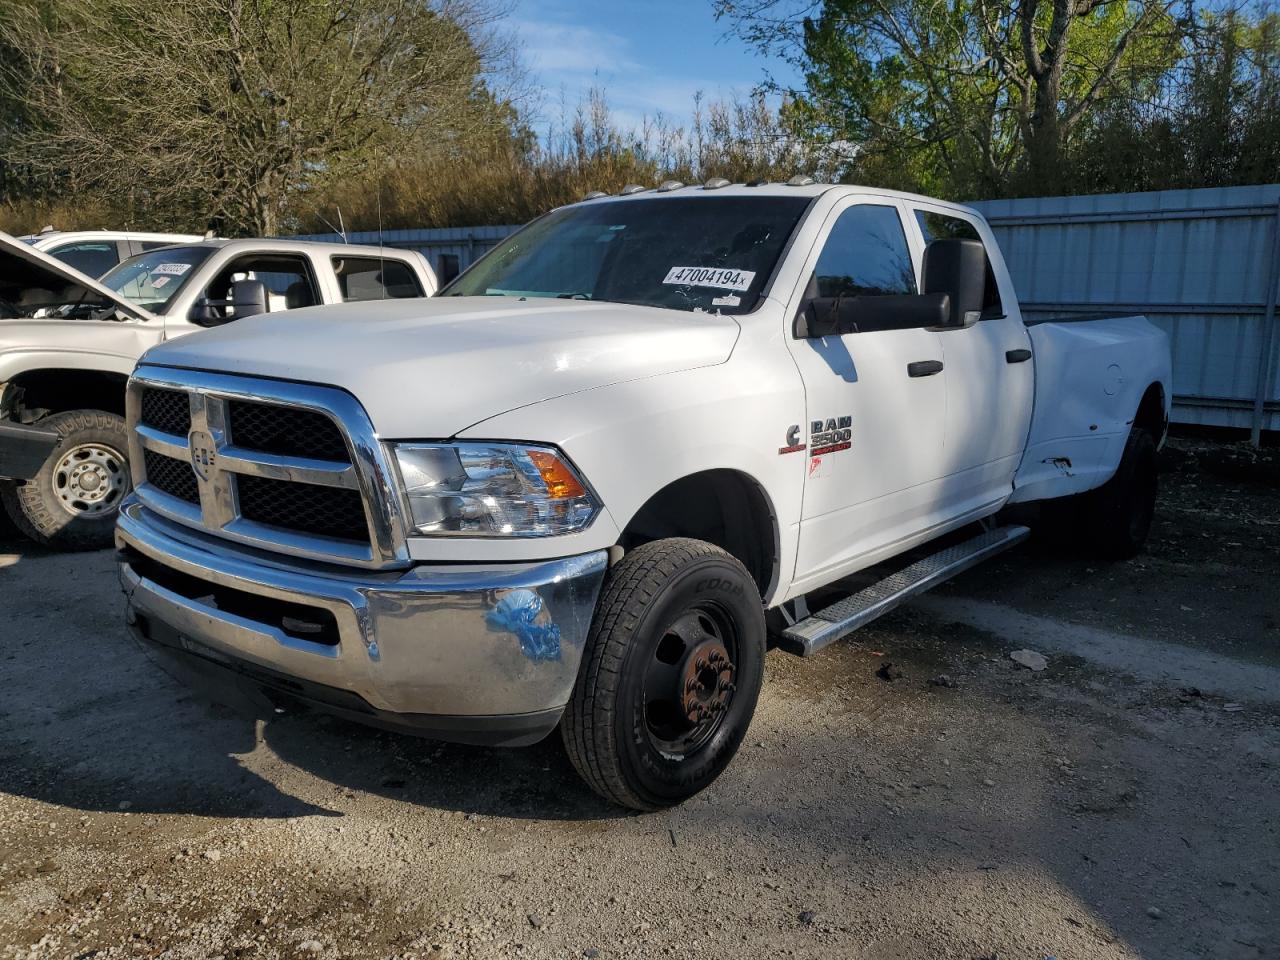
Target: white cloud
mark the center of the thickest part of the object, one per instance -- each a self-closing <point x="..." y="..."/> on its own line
<point x="568" y="58"/>
<point x="562" y="49"/>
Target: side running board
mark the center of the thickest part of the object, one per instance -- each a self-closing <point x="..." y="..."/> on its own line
<point x="810" y="635"/>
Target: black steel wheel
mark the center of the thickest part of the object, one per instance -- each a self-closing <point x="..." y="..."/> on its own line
<point x="1114" y="521"/>
<point x="1119" y="513"/>
<point x="670" y="674"/>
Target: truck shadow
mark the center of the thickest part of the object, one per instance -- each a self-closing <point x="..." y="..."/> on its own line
<point x="89" y="721"/>
<point x="904" y="793"/>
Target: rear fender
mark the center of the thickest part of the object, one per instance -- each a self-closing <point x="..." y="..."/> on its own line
<point x="1091" y="378"/>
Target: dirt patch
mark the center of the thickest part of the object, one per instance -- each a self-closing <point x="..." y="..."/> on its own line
<point x="1208" y="578"/>
<point x="1088" y="810"/>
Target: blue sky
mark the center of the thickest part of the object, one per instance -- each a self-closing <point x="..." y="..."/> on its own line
<point x="650" y="56"/>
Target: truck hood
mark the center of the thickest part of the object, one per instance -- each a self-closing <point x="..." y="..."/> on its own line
<point x="428" y="369"/>
<point x="23" y="268"/>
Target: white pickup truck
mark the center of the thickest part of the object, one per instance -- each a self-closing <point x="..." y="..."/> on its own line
<point x="587" y="483"/>
<point x="94" y="252"/>
<point x="68" y="343"/>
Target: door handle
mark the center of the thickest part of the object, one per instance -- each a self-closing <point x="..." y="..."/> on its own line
<point x="924" y="368"/>
<point x="1017" y="356"/>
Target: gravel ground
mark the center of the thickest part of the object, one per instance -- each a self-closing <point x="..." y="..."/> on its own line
<point x="1121" y="803"/>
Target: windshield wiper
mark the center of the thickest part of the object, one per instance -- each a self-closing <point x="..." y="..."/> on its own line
<point x="573" y="296"/>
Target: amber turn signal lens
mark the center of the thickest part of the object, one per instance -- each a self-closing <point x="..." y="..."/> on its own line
<point x="560" y="481"/>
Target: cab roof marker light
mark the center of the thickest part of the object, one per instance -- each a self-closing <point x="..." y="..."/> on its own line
<point x="631" y="188"/>
<point x="669" y="185"/>
<point x="800" y="180"/>
<point x="715" y="183"/>
<point x="594" y="195"/>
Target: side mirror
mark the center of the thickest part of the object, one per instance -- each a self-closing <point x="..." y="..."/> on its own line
<point x="957" y="268"/>
<point x="205" y="313"/>
<point x="836" y="316"/>
<point x="249" y="297"/>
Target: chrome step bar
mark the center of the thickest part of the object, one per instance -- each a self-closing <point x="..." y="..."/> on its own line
<point x="808" y="636"/>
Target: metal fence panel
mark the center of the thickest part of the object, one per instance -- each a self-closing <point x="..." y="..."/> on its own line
<point x="1202" y="264"/>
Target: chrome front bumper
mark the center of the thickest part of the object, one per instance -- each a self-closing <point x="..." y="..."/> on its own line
<point x="474" y="653"/>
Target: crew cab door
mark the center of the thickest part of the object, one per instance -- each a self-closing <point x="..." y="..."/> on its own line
<point x="876" y="402"/>
<point x="990" y="379"/>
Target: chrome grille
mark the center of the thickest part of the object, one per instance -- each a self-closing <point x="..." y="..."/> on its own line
<point x="174" y="477"/>
<point x="286" y="431"/>
<point x="166" y="410"/>
<point x="287" y="467"/>
<point x="322" y="511"/>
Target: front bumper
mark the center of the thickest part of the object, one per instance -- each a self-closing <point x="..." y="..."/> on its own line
<point x="470" y="653"/>
<point x="24" y="449"/>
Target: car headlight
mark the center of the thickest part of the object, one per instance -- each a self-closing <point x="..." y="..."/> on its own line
<point x="492" y="490"/>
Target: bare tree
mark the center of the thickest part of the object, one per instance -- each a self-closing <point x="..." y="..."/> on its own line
<point x="226" y="111"/>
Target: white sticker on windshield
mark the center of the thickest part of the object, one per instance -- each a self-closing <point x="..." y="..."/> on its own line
<point x="171" y="269"/>
<point x="728" y="300"/>
<point x="158" y="282"/>
<point x="710" y="277"/>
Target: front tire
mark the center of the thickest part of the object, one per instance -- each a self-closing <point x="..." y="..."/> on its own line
<point x="670" y="677"/>
<point x="72" y="502"/>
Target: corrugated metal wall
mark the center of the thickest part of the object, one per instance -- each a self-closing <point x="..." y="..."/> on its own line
<point x="1202" y="264"/>
<point x="465" y="243"/>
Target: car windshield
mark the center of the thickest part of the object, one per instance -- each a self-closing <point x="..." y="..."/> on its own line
<point x="684" y="253"/>
<point x="152" y="279"/>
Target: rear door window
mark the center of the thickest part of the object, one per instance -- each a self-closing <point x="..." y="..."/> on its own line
<point x="375" y="278"/>
<point x="93" y="258"/>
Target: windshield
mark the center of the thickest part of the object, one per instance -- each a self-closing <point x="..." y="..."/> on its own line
<point x="682" y="253"/>
<point x="152" y="279"/>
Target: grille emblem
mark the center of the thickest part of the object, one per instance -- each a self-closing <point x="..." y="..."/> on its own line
<point x="203" y="455"/>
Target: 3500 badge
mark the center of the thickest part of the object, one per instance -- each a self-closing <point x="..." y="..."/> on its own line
<point x="831" y="436"/>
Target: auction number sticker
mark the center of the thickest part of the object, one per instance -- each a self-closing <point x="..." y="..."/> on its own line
<point x="720" y="277"/>
<point x="171" y="269"/>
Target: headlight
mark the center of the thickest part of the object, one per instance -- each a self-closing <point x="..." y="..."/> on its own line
<point x="492" y="490"/>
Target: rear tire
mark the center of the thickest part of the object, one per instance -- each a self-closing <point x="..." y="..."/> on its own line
<point x="1113" y="521"/>
<point x="71" y="503"/>
<point x="670" y="676"/>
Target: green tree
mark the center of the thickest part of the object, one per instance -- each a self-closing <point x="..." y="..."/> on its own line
<point x="1215" y="120"/>
<point x="970" y="98"/>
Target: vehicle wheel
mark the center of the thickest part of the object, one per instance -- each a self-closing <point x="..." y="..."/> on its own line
<point x="670" y="674"/>
<point x="1113" y="521"/>
<point x="1118" y="514"/>
<point x="72" y="502"/>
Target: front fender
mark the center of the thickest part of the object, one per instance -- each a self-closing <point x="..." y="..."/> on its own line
<point x="16" y="362"/>
<point x="52" y="343"/>
<point x="630" y="440"/>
